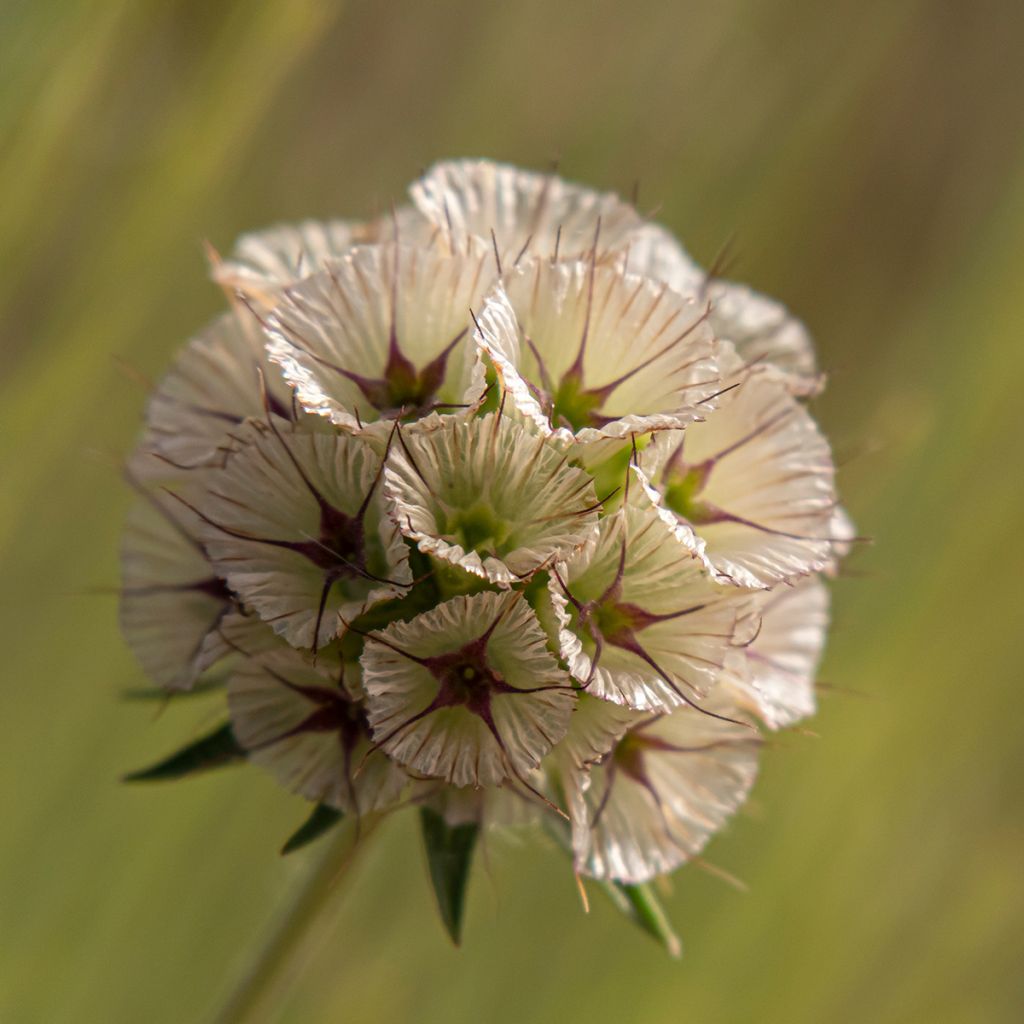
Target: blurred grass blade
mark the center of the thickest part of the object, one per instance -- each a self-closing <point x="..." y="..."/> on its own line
<point x="450" y="856"/>
<point x="153" y="693"/>
<point x="321" y="820"/>
<point x="643" y="908"/>
<point x="211" y="751"/>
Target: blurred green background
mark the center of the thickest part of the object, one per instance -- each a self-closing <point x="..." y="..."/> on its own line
<point x="867" y="159"/>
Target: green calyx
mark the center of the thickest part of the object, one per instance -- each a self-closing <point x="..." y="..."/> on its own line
<point x="478" y="528"/>
<point x="404" y="388"/>
<point x="682" y="494"/>
<point x="612" y="620"/>
<point x="574" y="404"/>
<point x="629" y="755"/>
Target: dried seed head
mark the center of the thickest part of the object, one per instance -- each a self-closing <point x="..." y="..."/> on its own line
<point x="498" y="505"/>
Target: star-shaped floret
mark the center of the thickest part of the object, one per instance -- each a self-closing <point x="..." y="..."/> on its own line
<point x="666" y="786"/>
<point x="303" y="724"/>
<point x="589" y="354"/>
<point x="489" y="495"/>
<point x="642" y="623"/>
<point x="292" y="522"/>
<point x="751" y="488"/>
<point x="383" y="334"/>
<point x="467" y="692"/>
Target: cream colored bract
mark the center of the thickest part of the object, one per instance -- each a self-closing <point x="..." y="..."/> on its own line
<point x="489" y="495"/>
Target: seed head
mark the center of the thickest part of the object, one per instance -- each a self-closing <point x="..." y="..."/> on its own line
<point x="499" y="506"/>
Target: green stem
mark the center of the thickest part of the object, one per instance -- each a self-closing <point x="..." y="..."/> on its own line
<point x="281" y="958"/>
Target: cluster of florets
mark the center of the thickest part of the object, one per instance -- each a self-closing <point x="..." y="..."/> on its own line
<point x="499" y="506"/>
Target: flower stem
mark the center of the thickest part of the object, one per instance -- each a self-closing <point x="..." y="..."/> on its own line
<point x="281" y="958"/>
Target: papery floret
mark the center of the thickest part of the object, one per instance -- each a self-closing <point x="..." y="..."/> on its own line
<point x="773" y="673"/>
<point x="382" y="333"/>
<point x="220" y="378"/>
<point x="586" y="352"/>
<point x="665" y="788"/>
<point x="302" y="724"/>
<point x="530" y="213"/>
<point x="172" y="601"/>
<point x="264" y="263"/>
<point x="751" y="488"/>
<point x="763" y="332"/>
<point x="467" y="692"/>
<point x="489" y="495"/>
<point x="293" y="525"/>
<point x="595" y="728"/>
<point x="643" y="625"/>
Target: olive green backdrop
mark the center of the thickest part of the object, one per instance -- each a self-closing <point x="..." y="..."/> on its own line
<point x="867" y="159"/>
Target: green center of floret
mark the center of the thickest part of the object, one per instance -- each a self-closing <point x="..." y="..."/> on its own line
<point x="575" y="405"/>
<point x="404" y="391"/>
<point x="478" y="528"/>
<point x="628" y="755"/>
<point x="613" y="620"/>
<point x="683" y="490"/>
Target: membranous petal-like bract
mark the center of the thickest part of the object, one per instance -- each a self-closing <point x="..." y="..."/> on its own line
<point x="292" y="525"/>
<point x="467" y="692"/>
<point x="489" y="495"/>
<point x="380" y="334"/>
<point x="750" y="489"/>
<point x="588" y="352"/>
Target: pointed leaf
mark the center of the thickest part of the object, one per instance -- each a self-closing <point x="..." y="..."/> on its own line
<point x="640" y="904"/>
<point x="449" y="856"/>
<point x="211" y="751"/>
<point x="321" y="819"/>
<point x="637" y="902"/>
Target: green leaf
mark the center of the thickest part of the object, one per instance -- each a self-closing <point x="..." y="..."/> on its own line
<point x="640" y="904"/>
<point x="321" y="819"/>
<point x="449" y="857"/>
<point x="211" y="751"/>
